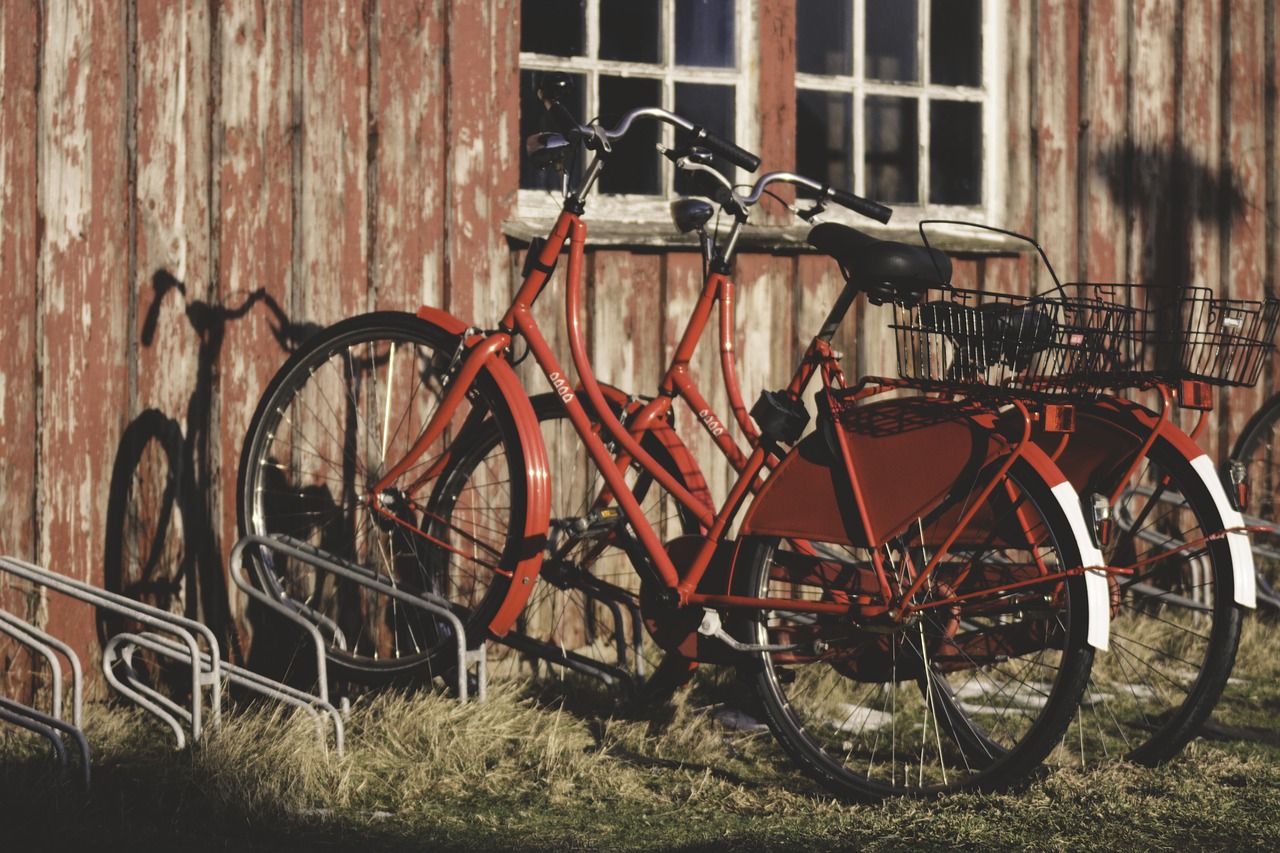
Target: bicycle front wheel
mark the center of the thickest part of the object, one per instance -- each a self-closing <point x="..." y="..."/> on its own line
<point x="341" y="412"/>
<point x="972" y="693"/>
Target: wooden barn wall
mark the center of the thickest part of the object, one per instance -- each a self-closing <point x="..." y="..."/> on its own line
<point x="191" y="186"/>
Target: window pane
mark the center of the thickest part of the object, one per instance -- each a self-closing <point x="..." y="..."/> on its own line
<point x="955" y="52"/>
<point x="955" y="152"/>
<point x="534" y="119"/>
<point x="891" y="40"/>
<point x="629" y="31"/>
<point x="557" y="27"/>
<point x="892" y="150"/>
<point x="824" y="37"/>
<point x="633" y="167"/>
<point x="711" y="107"/>
<point x="824" y="137"/>
<point x="704" y="33"/>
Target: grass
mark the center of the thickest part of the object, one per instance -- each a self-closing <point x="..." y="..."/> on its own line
<point x="546" y="771"/>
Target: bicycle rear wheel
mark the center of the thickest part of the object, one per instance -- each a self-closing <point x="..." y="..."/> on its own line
<point x="1175" y="626"/>
<point x="970" y="694"/>
<point x="1259" y="449"/>
<point x="337" y="416"/>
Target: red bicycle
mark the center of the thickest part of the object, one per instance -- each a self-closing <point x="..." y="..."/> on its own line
<point x="881" y="625"/>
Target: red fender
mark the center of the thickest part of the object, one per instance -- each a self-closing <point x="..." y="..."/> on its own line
<point x="533" y="532"/>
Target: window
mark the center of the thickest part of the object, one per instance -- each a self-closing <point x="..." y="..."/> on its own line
<point x="684" y="55"/>
<point x="894" y="101"/>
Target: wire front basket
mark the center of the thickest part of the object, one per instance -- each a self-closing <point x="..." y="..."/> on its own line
<point x="968" y="341"/>
<point x="1190" y="334"/>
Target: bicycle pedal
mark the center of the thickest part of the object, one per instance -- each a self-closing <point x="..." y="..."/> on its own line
<point x="598" y="519"/>
<point x="712" y="627"/>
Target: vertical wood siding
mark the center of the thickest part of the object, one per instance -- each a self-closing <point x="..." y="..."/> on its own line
<point x="189" y="188"/>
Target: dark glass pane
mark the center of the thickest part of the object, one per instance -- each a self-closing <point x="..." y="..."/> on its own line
<point x="535" y="119"/>
<point x="955" y="52"/>
<point x="891" y="39"/>
<point x="711" y="107"/>
<point x="824" y="137"/>
<point x="629" y="31"/>
<point x="633" y="166"/>
<point x="704" y="33"/>
<point x="955" y="152"/>
<point x="824" y="37"/>
<point x="557" y="27"/>
<point x="892" y="164"/>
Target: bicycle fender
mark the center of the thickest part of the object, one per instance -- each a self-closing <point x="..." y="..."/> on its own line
<point x="1096" y="587"/>
<point x="537" y="478"/>
<point x="1121" y="425"/>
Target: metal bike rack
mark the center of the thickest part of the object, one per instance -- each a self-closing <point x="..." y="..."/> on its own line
<point x="121" y="648"/>
<point x="49" y="727"/>
<point x="206" y="669"/>
<point x="48" y="647"/>
<point x="309" y="621"/>
<point x="52" y="726"/>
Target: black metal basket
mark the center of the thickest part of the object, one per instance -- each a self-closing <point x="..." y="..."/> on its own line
<point x="968" y="341"/>
<point x="1189" y="334"/>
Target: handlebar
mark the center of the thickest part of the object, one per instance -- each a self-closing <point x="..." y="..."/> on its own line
<point x="856" y="203"/>
<point x="553" y="86"/>
<point x="594" y="136"/>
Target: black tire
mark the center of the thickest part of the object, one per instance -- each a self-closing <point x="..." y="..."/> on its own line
<point x="1258" y="447"/>
<point x="971" y="696"/>
<point x="342" y="410"/>
<point x="1176" y="627"/>
<point x="582" y="623"/>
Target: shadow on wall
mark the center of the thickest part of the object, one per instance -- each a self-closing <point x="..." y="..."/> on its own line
<point x="1169" y="190"/>
<point x="162" y="542"/>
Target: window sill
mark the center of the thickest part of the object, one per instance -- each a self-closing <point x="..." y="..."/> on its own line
<point x="771" y="239"/>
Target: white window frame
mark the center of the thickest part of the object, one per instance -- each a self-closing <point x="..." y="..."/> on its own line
<point x="537" y="205"/>
<point x="991" y="94"/>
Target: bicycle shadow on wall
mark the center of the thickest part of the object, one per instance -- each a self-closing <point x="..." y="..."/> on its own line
<point x="162" y="540"/>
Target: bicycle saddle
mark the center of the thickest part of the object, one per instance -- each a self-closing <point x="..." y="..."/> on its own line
<point x="886" y="270"/>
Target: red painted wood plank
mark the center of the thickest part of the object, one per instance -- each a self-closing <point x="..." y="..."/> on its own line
<point x="333" y="184"/>
<point x="776" y="104"/>
<point x="1244" y="234"/>
<point x="84" y="288"/>
<point x="1152" y="127"/>
<point x="19" y="32"/>
<point x="624" y="299"/>
<point x="175" y="306"/>
<point x="1016" y="209"/>
<point x="408" y="211"/>
<point x="254" y="225"/>
<point x="481" y="181"/>
<point x="1197" y="155"/>
<point x="1104" y="140"/>
<point x="1055" y="128"/>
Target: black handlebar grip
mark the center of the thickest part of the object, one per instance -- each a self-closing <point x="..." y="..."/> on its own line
<point x="864" y="206"/>
<point x="726" y="149"/>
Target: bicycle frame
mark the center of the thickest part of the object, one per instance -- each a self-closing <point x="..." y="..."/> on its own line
<point x="679" y="588"/>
